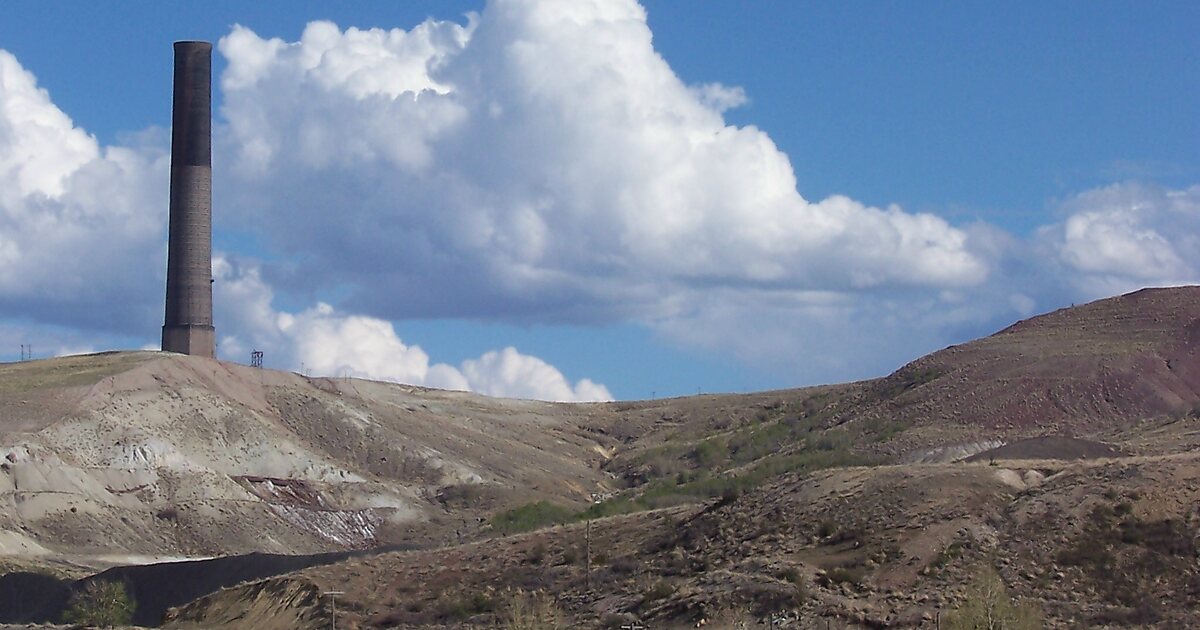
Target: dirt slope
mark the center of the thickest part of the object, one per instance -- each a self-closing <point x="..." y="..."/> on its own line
<point x="1089" y="370"/>
<point x="1093" y="542"/>
<point x="1080" y="370"/>
<point x="133" y="457"/>
<point x="1109" y="539"/>
<point x="148" y="454"/>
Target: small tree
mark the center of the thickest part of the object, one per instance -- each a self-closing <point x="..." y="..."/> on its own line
<point x="531" y="611"/>
<point x="989" y="607"/>
<point x="100" y="603"/>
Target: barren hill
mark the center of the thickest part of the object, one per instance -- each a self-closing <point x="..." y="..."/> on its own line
<point x="1082" y="369"/>
<point x="149" y="454"/>
<point x="1098" y="543"/>
<point x="135" y="457"/>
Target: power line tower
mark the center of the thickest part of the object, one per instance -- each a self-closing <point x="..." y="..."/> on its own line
<point x="256" y="358"/>
<point x="26" y="352"/>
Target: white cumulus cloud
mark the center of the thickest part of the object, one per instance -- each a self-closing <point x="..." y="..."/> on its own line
<point x="79" y="231"/>
<point x="541" y="161"/>
<point x="537" y="162"/>
<point x="323" y="341"/>
<point x="1126" y="236"/>
<point x="509" y="373"/>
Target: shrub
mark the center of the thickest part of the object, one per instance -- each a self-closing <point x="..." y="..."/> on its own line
<point x="989" y="606"/>
<point x="100" y="603"/>
<point x="709" y="453"/>
<point x="611" y="507"/>
<point x="951" y="553"/>
<point x="531" y="611"/>
<point x="1121" y="554"/>
<point x="843" y="575"/>
<point x="460" y="495"/>
<point x="624" y="565"/>
<point x="660" y="590"/>
<point x="536" y="554"/>
<point x="530" y="516"/>
<point x="461" y="608"/>
<point x="789" y="574"/>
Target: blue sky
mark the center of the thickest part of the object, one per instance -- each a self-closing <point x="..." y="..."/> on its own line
<point x="1039" y="154"/>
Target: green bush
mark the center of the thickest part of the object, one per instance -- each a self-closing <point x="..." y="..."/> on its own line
<point x="710" y="453"/>
<point x="100" y="603"/>
<point x="461" y="608"/>
<point x="611" y="507"/>
<point x="530" y="516"/>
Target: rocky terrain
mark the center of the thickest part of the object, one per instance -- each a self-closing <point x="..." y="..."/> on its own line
<point x="1059" y="454"/>
<point x="1090" y="543"/>
<point x="119" y="457"/>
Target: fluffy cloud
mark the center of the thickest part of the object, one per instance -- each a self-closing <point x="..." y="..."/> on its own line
<point x="78" y="224"/>
<point x="1127" y="236"/>
<point x="509" y="373"/>
<point x="537" y="162"/>
<point x="82" y="245"/>
<point x="542" y="162"/>
<point x="326" y="342"/>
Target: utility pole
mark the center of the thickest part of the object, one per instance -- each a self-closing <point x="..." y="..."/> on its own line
<point x="333" y="607"/>
<point x="587" y="554"/>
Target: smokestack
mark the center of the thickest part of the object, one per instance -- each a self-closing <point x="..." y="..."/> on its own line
<point x="188" y="326"/>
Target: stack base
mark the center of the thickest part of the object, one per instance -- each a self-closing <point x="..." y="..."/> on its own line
<point x="199" y="341"/>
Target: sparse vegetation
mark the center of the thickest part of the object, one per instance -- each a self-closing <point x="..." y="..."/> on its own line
<point x="710" y="452"/>
<point x="624" y="566"/>
<point x="460" y="494"/>
<point x="952" y="552"/>
<point x="460" y="608"/>
<point x="537" y="554"/>
<point x="1121" y="554"/>
<point x="100" y="603"/>
<point x="764" y="536"/>
<point x="905" y="380"/>
<point x="788" y="574"/>
<point x="838" y="535"/>
<point x="843" y="575"/>
<point x="988" y="606"/>
<point x="534" y="610"/>
<point x="659" y="590"/>
<point x="530" y="516"/>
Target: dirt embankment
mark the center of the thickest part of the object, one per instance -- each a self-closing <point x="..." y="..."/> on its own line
<point x="858" y="547"/>
<point x="148" y="455"/>
<point x="133" y="457"/>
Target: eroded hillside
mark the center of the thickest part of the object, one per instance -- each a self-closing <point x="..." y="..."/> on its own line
<point x="1086" y="544"/>
<point x="146" y="454"/>
<point x="826" y="503"/>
